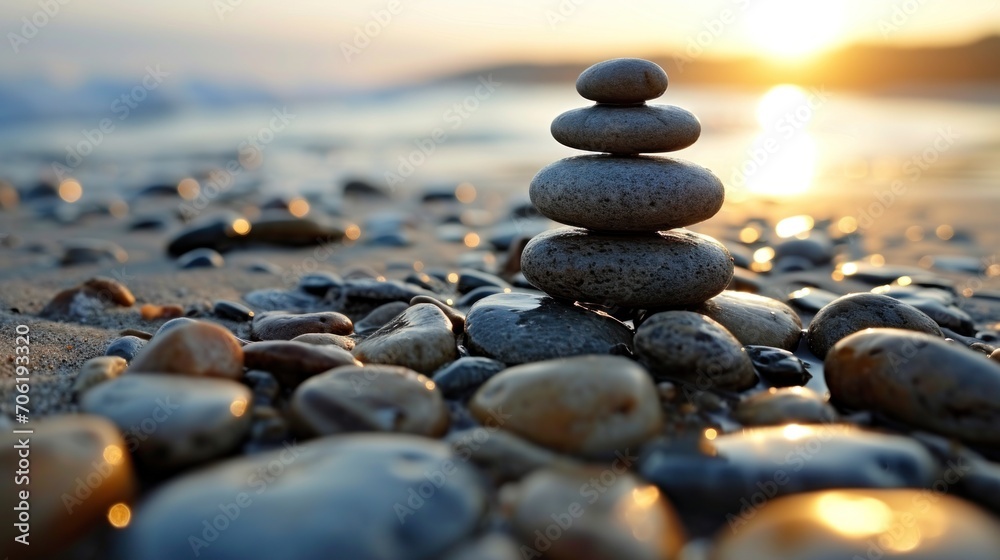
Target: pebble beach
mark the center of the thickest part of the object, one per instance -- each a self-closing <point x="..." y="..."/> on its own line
<point x="616" y="360"/>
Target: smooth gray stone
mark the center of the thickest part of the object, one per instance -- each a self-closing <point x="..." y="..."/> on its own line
<point x="615" y="193"/>
<point x="126" y="347"/>
<point x="857" y="312"/>
<point x="623" y="81"/>
<point x="627" y="130"/>
<point x="517" y="328"/>
<point x="644" y="271"/>
<point x="338" y="497"/>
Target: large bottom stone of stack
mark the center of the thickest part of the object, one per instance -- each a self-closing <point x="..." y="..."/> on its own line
<point x="649" y="270"/>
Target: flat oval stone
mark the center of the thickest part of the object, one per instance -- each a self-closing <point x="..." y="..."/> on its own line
<point x="918" y="379"/>
<point x="172" y="421"/>
<point x="797" y="405"/>
<point x="278" y="325"/>
<point x="735" y="472"/>
<point x="419" y="338"/>
<point x="79" y="469"/>
<point x="692" y="347"/>
<point x="587" y="405"/>
<point x="357" y="497"/>
<point x="456" y="317"/>
<point x="662" y="269"/>
<point x="638" y="129"/>
<point x="563" y="512"/>
<point x="613" y="193"/>
<point x="623" y="81"/>
<point x="372" y="398"/>
<point x="516" y="328"/>
<point x="195" y="349"/>
<point x="857" y="312"/>
<point x="755" y="320"/>
<point x="294" y="362"/>
<point x="910" y="524"/>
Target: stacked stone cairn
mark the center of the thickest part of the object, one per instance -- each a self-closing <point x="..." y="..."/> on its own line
<point x="624" y="244"/>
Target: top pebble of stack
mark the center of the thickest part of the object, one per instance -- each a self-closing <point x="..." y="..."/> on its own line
<point x="622" y="81"/>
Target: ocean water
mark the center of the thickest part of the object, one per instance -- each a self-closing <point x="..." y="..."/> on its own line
<point x="785" y="145"/>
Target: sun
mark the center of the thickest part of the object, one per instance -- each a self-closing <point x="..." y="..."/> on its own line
<point x="795" y="29"/>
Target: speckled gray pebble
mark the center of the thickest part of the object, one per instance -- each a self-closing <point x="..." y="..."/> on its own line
<point x="627" y="130"/>
<point x="691" y="347"/>
<point x="613" y="193"/>
<point x="419" y="338"/>
<point x="857" y="312"/>
<point x="622" y="81"/>
<point x="663" y="269"/>
<point x="755" y="319"/>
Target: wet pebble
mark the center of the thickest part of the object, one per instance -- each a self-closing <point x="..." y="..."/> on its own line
<point x="469" y="280"/>
<point x="192" y="349"/>
<point x="516" y="328"/>
<point x="587" y="405"/>
<point x="278" y="325"/>
<point x="371" y="398"/>
<point x="470" y="299"/>
<point x="456" y="317"/>
<point x="692" y="347"/>
<point x="918" y="379"/>
<point x="811" y="300"/>
<point x="126" y="347"/>
<point x="790" y="405"/>
<point x="461" y="378"/>
<point x="232" y="310"/>
<point x="172" y="421"/>
<point x="319" y="283"/>
<point x="755" y="319"/>
<point x="856" y="312"/>
<point x="201" y="258"/>
<point x="380" y="481"/>
<point x="327" y="339"/>
<point x="92" y="251"/>
<point x="379" y="317"/>
<point x="419" y="338"/>
<point x="778" y="367"/>
<point x="291" y="363"/>
<point x="815" y="249"/>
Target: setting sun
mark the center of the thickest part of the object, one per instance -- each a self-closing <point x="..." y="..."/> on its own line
<point x="792" y="29"/>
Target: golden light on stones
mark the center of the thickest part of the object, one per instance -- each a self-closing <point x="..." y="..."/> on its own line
<point x="241" y="226"/>
<point x="238" y="407"/>
<point x="70" y="190"/>
<point x="188" y="188"/>
<point x="944" y="232"/>
<point x="119" y="515"/>
<point x="465" y="193"/>
<point x="904" y="280"/>
<point x="453" y="277"/>
<point x="853" y="516"/>
<point x="794" y="226"/>
<point x="352" y="232"/>
<point x="113" y="455"/>
<point x="298" y="207"/>
<point x="471" y="240"/>
<point x="749" y="234"/>
<point x="711" y="433"/>
<point x="849" y="269"/>
<point x="762" y="259"/>
<point x="795" y="432"/>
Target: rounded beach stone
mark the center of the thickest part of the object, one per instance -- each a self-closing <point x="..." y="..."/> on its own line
<point x="662" y="269"/>
<point x="293" y="362"/>
<point x="419" y="338"/>
<point x="901" y="524"/>
<point x="784" y="406"/>
<point x="587" y="405"/>
<point x="857" y="312"/>
<point x="622" y="81"/>
<point x="371" y="398"/>
<point x="627" y="130"/>
<point x="461" y="378"/>
<point x="612" y="193"/>
<point x="98" y="370"/>
<point x="196" y="348"/>
<point x="692" y="347"/>
<point x="279" y="325"/>
<point x="172" y="421"/>
<point x="516" y="328"/>
<point x="346" y="496"/>
<point x="755" y="320"/>
<point x="624" y="518"/>
<point x="79" y="469"/>
<point x="918" y="379"/>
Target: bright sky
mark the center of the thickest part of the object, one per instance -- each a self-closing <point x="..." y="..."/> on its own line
<point x="304" y="41"/>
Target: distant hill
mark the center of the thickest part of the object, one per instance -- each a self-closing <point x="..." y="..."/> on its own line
<point x="867" y="67"/>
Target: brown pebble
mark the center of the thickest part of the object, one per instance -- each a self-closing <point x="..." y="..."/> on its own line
<point x="293" y="362"/>
<point x="279" y="325"/>
<point x="84" y="298"/>
<point x="151" y="311"/>
<point x="197" y="348"/>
